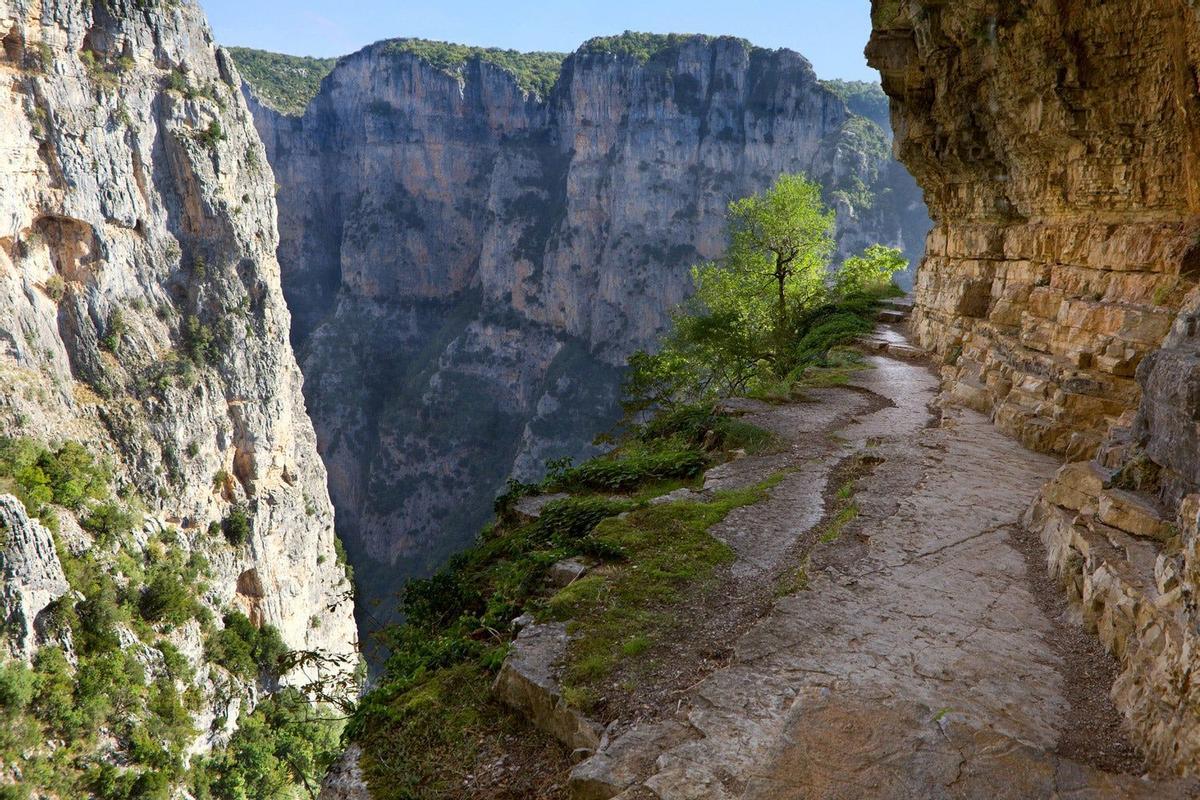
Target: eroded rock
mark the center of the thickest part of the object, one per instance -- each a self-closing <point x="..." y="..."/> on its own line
<point x="31" y="576"/>
<point x="528" y="682"/>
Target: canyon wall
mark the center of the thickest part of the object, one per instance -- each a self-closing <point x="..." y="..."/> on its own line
<point x="1057" y="144"/>
<point x="141" y="315"/>
<point x="469" y="264"/>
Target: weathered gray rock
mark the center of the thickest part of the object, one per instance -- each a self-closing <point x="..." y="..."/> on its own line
<point x="344" y="780"/>
<point x="566" y="572"/>
<point x="140" y="303"/>
<point x="31" y="576"/>
<point x="469" y="265"/>
<point x="528" y="682"/>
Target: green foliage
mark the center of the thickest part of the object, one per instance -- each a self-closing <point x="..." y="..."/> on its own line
<point x="113" y="331"/>
<point x="56" y="288"/>
<point x="534" y="72"/>
<point x="236" y="526"/>
<point x="244" y="650"/>
<point x="863" y="98"/>
<point x="643" y="46"/>
<point x="108" y="522"/>
<point x="768" y="310"/>
<point x="432" y="709"/>
<point x="286" y="83"/>
<point x="285" y="743"/>
<point x="169" y="596"/>
<point x="212" y="135"/>
<point x="40" y="476"/>
<point x="105" y="701"/>
<point x="618" y="615"/>
<point x="870" y="272"/>
<point x="626" y="472"/>
<point x="16" y="688"/>
<point x="197" y="340"/>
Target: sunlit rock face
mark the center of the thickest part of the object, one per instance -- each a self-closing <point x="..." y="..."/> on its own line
<point x="136" y="201"/>
<point x="469" y="264"/>
<point x="1056" y="146"/>
<point x="1056" y="143"/>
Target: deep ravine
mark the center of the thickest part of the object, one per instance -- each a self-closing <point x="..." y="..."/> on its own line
<point x="469" y="264"/>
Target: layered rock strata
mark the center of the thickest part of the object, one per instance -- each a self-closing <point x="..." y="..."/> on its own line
<point x="1056" y="145"/>
<point x="470" y="264"/>
<point x="141" y="311"/>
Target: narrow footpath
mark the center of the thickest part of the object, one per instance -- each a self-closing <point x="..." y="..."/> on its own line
<point x="925" y="654"/>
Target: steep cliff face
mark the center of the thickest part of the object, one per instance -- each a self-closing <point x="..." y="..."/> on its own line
<point x="141" y="314"/>
<point x="1057" y="146"/>
<point x="469" y="263"/>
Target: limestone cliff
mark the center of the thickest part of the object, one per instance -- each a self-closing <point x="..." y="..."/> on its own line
<point x="141" y="312"/>
<point x="470" y="263"/>
<point x="1056" y="143"/>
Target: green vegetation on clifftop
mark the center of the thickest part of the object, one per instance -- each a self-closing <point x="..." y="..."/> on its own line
<point x="534" y="72"/>
<point x="863" y="98"/>
<point x="645" y="46"/>
<point x="286" y="83"/>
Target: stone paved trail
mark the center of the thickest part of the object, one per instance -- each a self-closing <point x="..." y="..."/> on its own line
<point x="918" y="663"/>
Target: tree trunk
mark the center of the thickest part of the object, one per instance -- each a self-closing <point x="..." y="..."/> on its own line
<point x="781" y="324"/>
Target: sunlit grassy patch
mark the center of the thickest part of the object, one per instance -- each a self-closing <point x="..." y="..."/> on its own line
<point x="620" y="612"/>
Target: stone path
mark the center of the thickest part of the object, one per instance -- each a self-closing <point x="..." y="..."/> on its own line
<point x="917" y="664"/>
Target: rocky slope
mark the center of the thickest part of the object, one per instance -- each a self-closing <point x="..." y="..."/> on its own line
<point x="141" y="314"/>
<point x="469" y="263"/>
<point x="1056" y="145"/>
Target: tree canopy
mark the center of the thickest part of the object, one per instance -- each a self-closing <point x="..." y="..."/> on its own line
<point x="767" y="310"/>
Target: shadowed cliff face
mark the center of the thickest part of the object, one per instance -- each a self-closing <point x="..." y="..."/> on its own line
<point x="1057" y="145"/>
<point x="469" y="265"/>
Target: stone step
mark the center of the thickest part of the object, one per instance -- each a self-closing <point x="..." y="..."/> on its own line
<point x="889" y="346"/>
<point x="904" y="304"/>
<point x="1129" y="589"/>
<point x="892" y="317"/>
<point x="528" y="682"/>
<point x="1086" y="488"/>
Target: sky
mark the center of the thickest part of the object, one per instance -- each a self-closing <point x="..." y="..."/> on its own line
<point x="830" y="33"/>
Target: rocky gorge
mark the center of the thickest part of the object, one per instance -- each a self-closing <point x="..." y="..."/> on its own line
<point x="470" y="262"/>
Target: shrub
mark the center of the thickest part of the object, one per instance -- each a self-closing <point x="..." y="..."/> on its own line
<point x="283" y="743"/>
<point x="197" y="340"/>
<point x="244" y="650"/>
<point x="236" y="526"/>
<point x="629" y="472"/>
<point x="66" y="476"/>
<point x="16" y="688"/>
<point x="108" y="522"/>
<point x="56" y="288"/>
<point x="114" y="330"/>
<point x="167" y="597"/>
<point x="211" y="136"/>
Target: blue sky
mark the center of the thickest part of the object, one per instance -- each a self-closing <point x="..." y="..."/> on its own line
<point x="831" y="33"/>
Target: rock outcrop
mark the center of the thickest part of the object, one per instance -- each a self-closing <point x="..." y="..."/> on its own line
<point x="141" y="311"/>
<point x="1056" y="160"/>
<point x="469" y="264"/>
<point x="31" y="576"/>
<point x="1056" y="143"/>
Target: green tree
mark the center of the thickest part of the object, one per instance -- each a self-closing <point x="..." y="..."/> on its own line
<point x="783" y="236"/>
<point x="768" y="310"/>
<point x="870" y="272"/>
